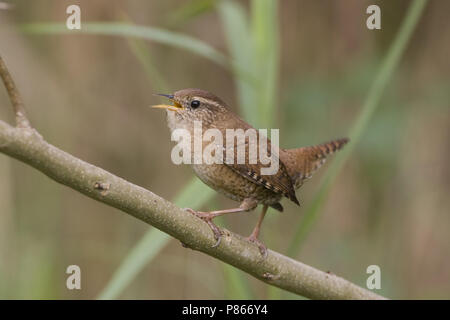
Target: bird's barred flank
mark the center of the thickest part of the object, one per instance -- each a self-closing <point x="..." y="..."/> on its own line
<point x="262" y="181"/>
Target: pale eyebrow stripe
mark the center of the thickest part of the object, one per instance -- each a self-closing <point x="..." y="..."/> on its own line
<point x="201" y="99"/>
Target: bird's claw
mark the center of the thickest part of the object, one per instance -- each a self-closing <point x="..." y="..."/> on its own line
<point x="217" y="232"/>
<point x="261" y="246"/>
<point x="207" y="217"/>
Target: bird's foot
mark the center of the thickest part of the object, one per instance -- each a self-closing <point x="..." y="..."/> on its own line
<point x="207" y="217"/>
<point x="261" y="246"/>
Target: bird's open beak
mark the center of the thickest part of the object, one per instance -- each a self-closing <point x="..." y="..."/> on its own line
<point x="175" y="107"/>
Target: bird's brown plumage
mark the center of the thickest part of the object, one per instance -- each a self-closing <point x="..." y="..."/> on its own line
<point x="295" y="165"/>
<point x="243" y="182"/>
<point x="280" y="182"/>
<point x="302" y="162"/>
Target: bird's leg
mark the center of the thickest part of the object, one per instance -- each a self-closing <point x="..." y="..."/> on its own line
<point x="246" y="205"/>
<point x="212" y="214"/>
<point x="254" y="236"/>
<point x="208" y="216"/>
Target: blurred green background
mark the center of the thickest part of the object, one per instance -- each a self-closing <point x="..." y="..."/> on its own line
<point x="306" y="67"/>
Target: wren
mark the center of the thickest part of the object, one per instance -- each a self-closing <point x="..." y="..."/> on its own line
<point x="239" y="181"/>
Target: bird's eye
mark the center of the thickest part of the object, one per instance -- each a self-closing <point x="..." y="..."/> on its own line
<point x="195" y="104"/>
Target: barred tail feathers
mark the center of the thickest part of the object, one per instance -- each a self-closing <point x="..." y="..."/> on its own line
<point x="306" y="160"/>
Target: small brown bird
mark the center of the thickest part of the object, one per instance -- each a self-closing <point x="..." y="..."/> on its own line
<point x="239" y="181"/>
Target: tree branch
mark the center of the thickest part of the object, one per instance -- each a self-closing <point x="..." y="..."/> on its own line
<point x="27" y="145"/>
<point x="16" y="100"/>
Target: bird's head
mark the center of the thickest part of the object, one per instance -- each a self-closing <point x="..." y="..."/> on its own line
<point x="189" y="105"/>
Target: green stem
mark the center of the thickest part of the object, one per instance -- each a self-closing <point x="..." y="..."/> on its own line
<point x="376" y="91"/>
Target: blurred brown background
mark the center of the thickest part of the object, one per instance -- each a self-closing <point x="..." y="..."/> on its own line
<point x="89" y="95"/>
